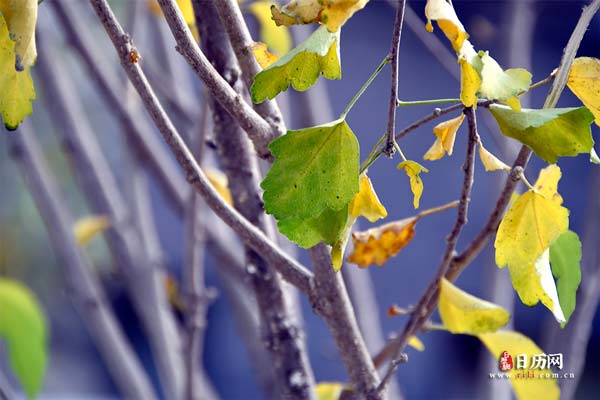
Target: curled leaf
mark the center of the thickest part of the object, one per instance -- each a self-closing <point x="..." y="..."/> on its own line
<point x="443" y="12"/>
<point x="490" y="162"/>
<point x="331" y="13"/>
<point x="275" y="37"/>
<point x="301" y="67"/>
<point x="470" y="81"/>
<point x="464" y="313"/>
<point x="377" y="245"/>
<point x="498" y="84"/>
<point x="86" y="228"/>
<point x="584" y="81"/>
<point x="21" y="18"/>
<point x="366" y="203"/>
<point x="413" y="169"/>
<point x="446" y="134"/>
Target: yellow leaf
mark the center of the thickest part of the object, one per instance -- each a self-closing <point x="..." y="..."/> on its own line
<point x="443" y="12"/>
<point x="445" y="133"/>
<point x="584" y="81"/>
<point x="263" y="56"/>
<point x="329" y="390"/>
<point x="514" y="103"/>
<point x="547" y="183"/>
<point x="515" y="344"/>
<point x="86" y="228"/>
<point x="416" y="343"/>
<point x="413" y="169"/>
<point x="377" y="245"/>
<point x="332" y="13"/>
<point x="490" y="161"/>
<point x="366" y="203"/>
<point x="464" y="313"/>
<point x="21" y="17"/>
<point x="469" y="83"/>
<point x="337" y="249"/>
<point x="276" y="37"/>
<point x="219" y="182"/>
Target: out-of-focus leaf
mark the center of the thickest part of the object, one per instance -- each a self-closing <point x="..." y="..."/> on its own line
<point x="86" y="228"/>
<point x="276" y="37"/>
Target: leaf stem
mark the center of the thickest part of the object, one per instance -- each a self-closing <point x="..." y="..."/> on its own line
<point x="435" y="210"/>
<point x="400" y="103"/>
<point x="397" y="146"/>
<point x="364" y="87"/>
<point x="525" y="181"/>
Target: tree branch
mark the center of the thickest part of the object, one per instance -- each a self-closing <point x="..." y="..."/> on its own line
<point x="87" y="295"/>
<point x="389" y="147"/>
<point x="285" y="340"/>
<point x="291" y="270"/>
<point x="423" y="310"/>
<point x="257" y="128"/>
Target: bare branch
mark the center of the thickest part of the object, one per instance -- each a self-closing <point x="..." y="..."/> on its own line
<point x="291" y="270"/>
<point x="257" y="128"/>
<point x="87" y="295"/>
<point x="423" y="310"/>
<point x="331" y="301"/>
<point x="390" y="147"/>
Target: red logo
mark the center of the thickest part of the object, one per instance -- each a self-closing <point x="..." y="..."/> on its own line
<point x="506" y="361"/>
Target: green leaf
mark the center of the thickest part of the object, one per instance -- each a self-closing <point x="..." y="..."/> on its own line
<point x="326" y="227"/>
<point x="301" y="67"/>
<point x="23" y="327"/>
<point x="565" y="256"/>
<point x="314" y="169"/>
<point x="16" y="87"/>
<point x="499" y="84"/>
<point x="551" y="133"/>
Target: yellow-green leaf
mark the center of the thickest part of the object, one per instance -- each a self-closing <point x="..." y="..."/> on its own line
<point x="501" y="85"/>
<point x="515" y="344"/>
<point x="331" y="13"/>
<point x="21" y="18"/>
<point x="23" y="328"/>
<point x="366" y="203"/>
<point x="413" y="169"/>
<point x="584" y="81"/>
<point x="86" y="228"/>
<point x="301" y="67"/>
<point x="464" y="313"/>
<point x="329" y="390"/>
<point x="16" y="87"/>
<point x="278" y="38"/>
<point x="327" y="227"/>
<point x="565" y="256"/>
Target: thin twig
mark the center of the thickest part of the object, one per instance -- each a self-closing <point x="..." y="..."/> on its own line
<point x="291" y="270"/>
<point x="87" y="295"/>
<point x="285" y="340"/>
<point x="256" y="127"/>
<point x="390" y="146"/>
<point x="422" y="311"/>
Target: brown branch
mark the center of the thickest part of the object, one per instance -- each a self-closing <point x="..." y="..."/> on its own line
<point x="423" y="311"/>
<point x="285" y="342"/>
<point x="86" y="292"/>
<point x="291" y="270"/>
<point x="390" y="147"/>
<point x="255" y="126"/>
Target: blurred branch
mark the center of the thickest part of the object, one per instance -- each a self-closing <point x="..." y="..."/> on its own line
<point x="423" y="309"/>
<point x="390" y="143"/>
<point x="87" y="295"/>
<point x="255" y="126"/>
<point x="294" y="377"/>
<point x="291" y="270"/>
<point x="7" y="392"/>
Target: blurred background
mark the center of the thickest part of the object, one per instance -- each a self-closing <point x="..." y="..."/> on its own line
<point x="529" y="34"/>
